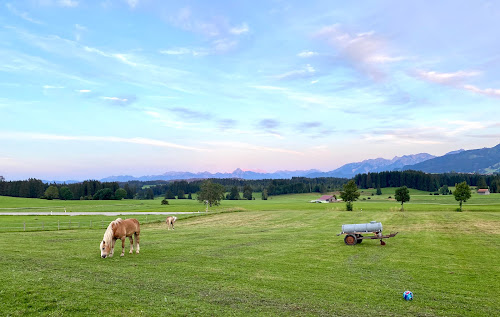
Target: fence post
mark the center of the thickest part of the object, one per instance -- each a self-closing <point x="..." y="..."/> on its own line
<point x="146" y="218"/>
<point x="43" y="226"/>
<point x="78" y="224"/>
<point x="90" y="224"/>
<point x="25" y="226"/>
<point x="102" y="226"/>
<point x="57" y="225"/>
<point x="70" y="224"/>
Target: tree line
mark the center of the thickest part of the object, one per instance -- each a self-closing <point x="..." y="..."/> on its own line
<point x="94" y="189"/>
<point x="424" y="181"/>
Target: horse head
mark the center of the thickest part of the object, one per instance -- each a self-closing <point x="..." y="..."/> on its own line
<point x="105" y="248"/>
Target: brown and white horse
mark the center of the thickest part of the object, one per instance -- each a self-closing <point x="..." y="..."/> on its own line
<point x="119" y="229"/>
<point x="170" y="222"/>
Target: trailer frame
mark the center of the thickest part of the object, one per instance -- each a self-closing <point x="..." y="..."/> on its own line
<point x="353" y="238"/>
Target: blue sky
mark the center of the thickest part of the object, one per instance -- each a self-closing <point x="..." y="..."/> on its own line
<point x="90" y="89"/>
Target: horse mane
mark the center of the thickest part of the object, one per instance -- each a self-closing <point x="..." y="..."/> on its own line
<point x="108" y="235"/>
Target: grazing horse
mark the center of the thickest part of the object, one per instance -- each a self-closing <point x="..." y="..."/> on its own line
<point x="170" y="222"/>
<point x="119" y="229"/>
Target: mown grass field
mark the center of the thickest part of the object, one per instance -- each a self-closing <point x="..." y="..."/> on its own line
<point x="279" y="257"/>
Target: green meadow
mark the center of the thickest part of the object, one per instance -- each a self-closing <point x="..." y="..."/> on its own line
<point x="280" y="257"/>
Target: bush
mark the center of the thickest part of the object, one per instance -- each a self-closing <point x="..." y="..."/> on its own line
<point x="164" y="202"/>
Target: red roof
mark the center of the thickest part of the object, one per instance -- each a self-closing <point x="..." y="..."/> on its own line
<point x="325" y="197"/>
<point x="483" y="190"/>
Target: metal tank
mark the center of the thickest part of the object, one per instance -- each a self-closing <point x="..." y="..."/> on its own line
<point x="372" y="226"/>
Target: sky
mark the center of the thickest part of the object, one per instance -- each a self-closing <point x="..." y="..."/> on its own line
<point x="90" y="89"/>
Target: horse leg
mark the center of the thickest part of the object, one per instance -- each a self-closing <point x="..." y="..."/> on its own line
<point x="136" y="243"/>
<point x="123" y="246"/>
<point x="112" y="248"/>
<point x="131" y="245"/>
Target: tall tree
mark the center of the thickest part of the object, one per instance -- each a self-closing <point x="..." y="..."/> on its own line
<point x="234" y="194"/>
<point x="402" y="194"/>
<point x="65" y="193"/>
<point x="462" y="193"/>
<point x="349" y="194"/>
<point x="150" y="194"/>
<point x="52" y="192"/>
<point x="169" y="194"/>
<point x="264" y="194"/>
<point x="181" y="194"/>
<point x="247" y="192"/>
<point x="213" y="193"/>
<point x="444" y="190"/>
<point x="482" y="183"/>
<point x="120" y="193"/>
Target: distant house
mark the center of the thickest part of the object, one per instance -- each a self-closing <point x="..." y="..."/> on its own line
<point x="483" y="191"/>
<point x="325" y="199"/>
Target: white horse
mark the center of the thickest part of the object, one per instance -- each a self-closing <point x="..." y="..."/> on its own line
<point x="170" y="222"/>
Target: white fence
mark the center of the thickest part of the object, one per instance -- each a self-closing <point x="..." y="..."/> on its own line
<point x="69" y="225"/>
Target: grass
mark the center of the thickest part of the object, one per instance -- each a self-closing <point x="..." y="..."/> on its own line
<point x="275" y="257"/>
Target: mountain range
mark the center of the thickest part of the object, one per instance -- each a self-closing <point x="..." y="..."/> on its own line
<point x="483" y="161"/>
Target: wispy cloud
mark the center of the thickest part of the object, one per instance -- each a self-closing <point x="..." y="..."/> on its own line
<point x="270" y="126"/>
<point x="68" y="3"/>
<point x="305" y="54"/>
<point x="227" y="124"/>
<point x="456" y="80"/>
<point x="305" y="72"/>
<point x="52" y="87"/>
<point x="22" y="14"/>
<point x="121" y="101"/>
<point x="426" y="134"/>
<point x="304" y="126"/>
<point x="111" y="139"/>
<point x="222" y="36"/>
<point x="252" y="147"/>
<point x="237" y="30"/>
<point x="445" y="78"/>
<point x="365" y="51"/>
<point x="189" y="113"/>
<point x="487" y="91"/>
<point x="264" y="87"/>
<point x="132" y="3"/>
<point x="79" y="29"/>
<point x="84" y="91"/>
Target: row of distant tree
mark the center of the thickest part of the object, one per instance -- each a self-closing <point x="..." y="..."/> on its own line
<point x="350" y="193"/>
<point x="93" y="189"/>
<point x="424" y="181"/>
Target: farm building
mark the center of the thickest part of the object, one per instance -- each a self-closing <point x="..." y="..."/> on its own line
<point x="325" y="199"/>
<point x="483" y="191"/>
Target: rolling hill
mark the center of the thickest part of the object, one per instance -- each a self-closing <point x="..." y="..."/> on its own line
<point x="482" y="161"/>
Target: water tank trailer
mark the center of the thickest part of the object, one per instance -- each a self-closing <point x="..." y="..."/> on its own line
<point x="354" y="232"/>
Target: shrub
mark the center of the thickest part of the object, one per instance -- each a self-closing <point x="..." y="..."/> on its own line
<point x="164" y="202"/>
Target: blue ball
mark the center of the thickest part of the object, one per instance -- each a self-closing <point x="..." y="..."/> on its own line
<point x="407" y="295"/>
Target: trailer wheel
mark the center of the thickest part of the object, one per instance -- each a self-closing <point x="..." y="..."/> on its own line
<point x="350" y="239"/>
<point x="358" y="238"/>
